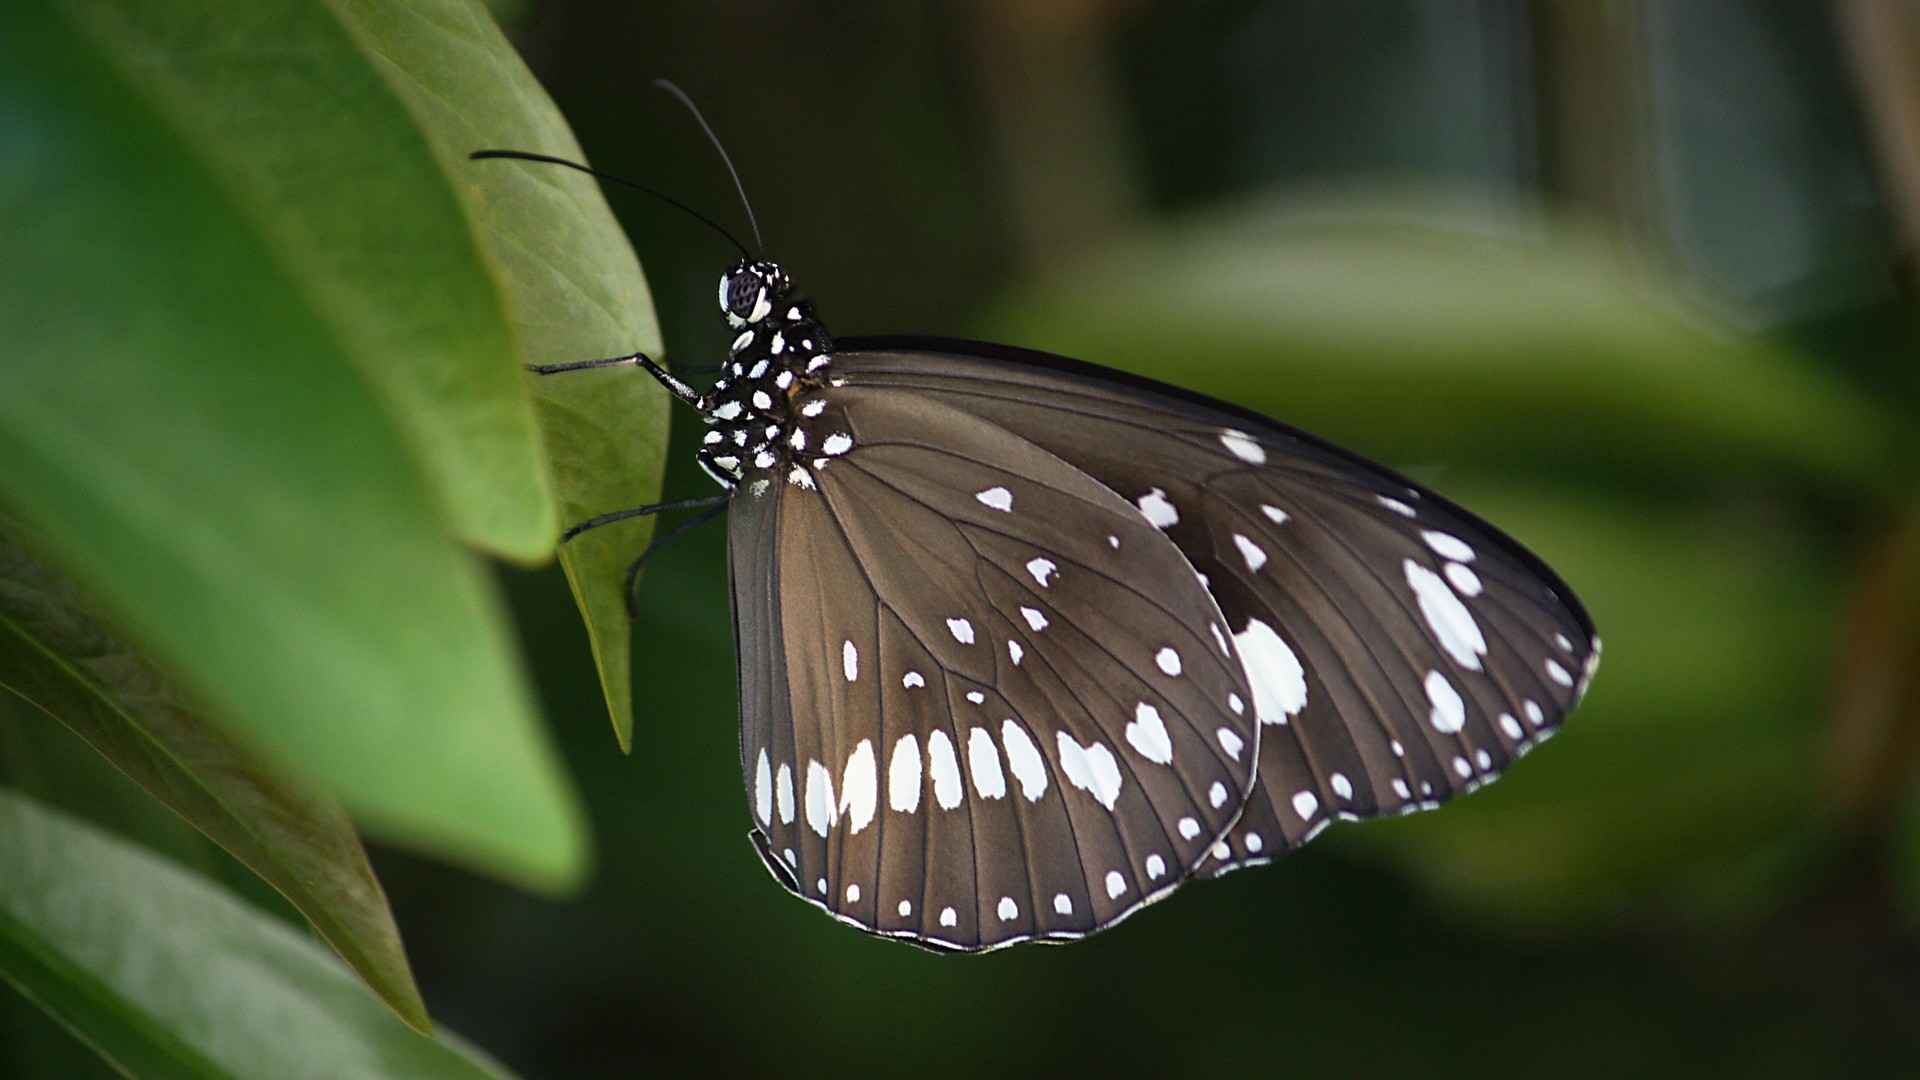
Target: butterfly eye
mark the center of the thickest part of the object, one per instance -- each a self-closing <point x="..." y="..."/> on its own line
<point x="739" y="290"/>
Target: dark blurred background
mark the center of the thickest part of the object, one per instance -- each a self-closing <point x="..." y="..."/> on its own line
<point x="1717" y="866"/>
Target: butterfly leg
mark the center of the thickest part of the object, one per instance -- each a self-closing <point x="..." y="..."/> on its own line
<point x="633" y="569"/>
<point x="674" y="386"/>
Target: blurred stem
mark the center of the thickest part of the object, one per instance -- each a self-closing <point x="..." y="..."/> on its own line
<point x="1883" y="39"/>
<point x="1052" y="100"/>
<point x="1875" y="742"/>
<point x="1591" y="84"/>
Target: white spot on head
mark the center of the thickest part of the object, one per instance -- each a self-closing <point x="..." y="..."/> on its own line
<point x="961" y="629"/>
<point x="1041" y="569"/>
<point x="760" y="307"/>
<point x="1274" y="514"/>
<point x="1254" y="842"/>
<point x="850" y="660"/>
<point x="1557" y="673"/>
<point x="905" y="909"/>
<point x="1231" y="742"/>
<point x="1091" y="768"/>
<point x="1015" y="652"/>
<point x="1034" y="619"/>
<point x="1024" y="758"/>
<point x="912" y="679"/>
<point x="1460" y="766"/>
<point x="948" y="917"/>
<point x="1217" y="795"/>
<point x="1395" y="505"/>
<point x="945" y="769"/>
<point x="1062" y="903"/>
<point x="1189" y="828"/>
<point x="859" y="786"/>
<point x="1008" y="909"/>
<point x="763" y="788"/>
<point x="1250" y="551"/>
<point x="1400" y="788"/>
<point x="1449" y="713"/>
<point x="1341" y="786"/>
<point x="1156" y="866"/>
<point x="1535" y="715"/>
<point x="1243" y="447"/>
<point x="1305" y="803"/>
<point x="1168" y="660"/>
<point x="976" y="697"/>
<point x="997" y="498"/>
<point x="814" y="407"/>
<point x="1452" y="624"/>
<point x="1511" y="726"/>
<point x="853" y="894"/>
<point x="1463" y="579"/>
<point x="984" y="761"/>
<point x="1158" y="510"/>
<point x="1147" y="733"/>
<point x="821" y="812"/>
<point x="1448" y="546"/>
<point x="836" y="444"/>
<point x="1279" y="682"/>
<point x="903" y="775"/>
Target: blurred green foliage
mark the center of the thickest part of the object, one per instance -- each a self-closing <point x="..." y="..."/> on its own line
<point x="1626" y="279"/>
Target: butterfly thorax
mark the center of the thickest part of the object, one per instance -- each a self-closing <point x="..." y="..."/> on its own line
<point x="766" y="408"/>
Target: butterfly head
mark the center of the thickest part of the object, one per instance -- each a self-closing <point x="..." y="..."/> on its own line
<point x="750" y="290"/>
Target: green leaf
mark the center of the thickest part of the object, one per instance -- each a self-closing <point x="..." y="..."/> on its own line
<point x="1419" y="324"/>
<point x="572" y="288"/>
<point x="165" y="975"/>
<point x="186" y="435"/>
<point x="57" y="656"/>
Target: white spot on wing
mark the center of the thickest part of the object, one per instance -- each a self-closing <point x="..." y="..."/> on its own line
<point x="1158" y="510"/>
<point x="984" y="761"/>
<point x="903" y="775"/>
<point x="976" y="697"/>
<point x="1231" y="742"/>
<point x="1274" y="514"/>
<point x="1024" y="759"/>
<point x="859" y="793"/>
<point x="1015" y="652"/>
<point x="1452" y="624"/>
<point x="1535" y="715"/>
<point x="945" y="768"/>
<point x="1189" y="828"/>
<point x="1558" y="673"/>
<point x="763" y="788"/>
<point x="1090" y="768"/>
<point x="1254" y="842"/>
<point x="813" y="408"/>
<point x="850" y="660"/>
<point x="912" y="679"/>
<point x="1034" y="618"/>
<point x="1168" y="660"/>
<point x="836" y="444"/>
<point x="998" y="498"/>
<point x="1448" y="546"/>
<point x="1147" y="733"/>
<point x="1305" y="803"/>
<point x="1217" y="795"/>
<point x="1156" y="866"/>
<point x="1341" y="785"/>
<point x="1511" y="726"/>
<point x="1062" y="903"/>
<point x="1219" y="638"/>
<point x="948" y="917"/>
<point x="800" y="478"/>
<point x="1395" y="505"/>
<point x="1233" y="702"/>
<point x="1279" y="682"/>
<point x="853" y="893"/>
<point x="821" y="813"/>
<point x="1007" y="910"/>
<point x="905" y="908"/>
<point x="1464" y="579"/>
<point x="1449" y="713"/>
<point x="961" y="629"/>
<point x="1116" y="884"/>
<point x="1243" y="447"/>
<point x="1041" y="569"/>
<point x="785" y="791"/>
<point x="1256" y="557"/>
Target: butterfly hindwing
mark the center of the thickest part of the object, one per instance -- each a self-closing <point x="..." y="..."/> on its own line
<point x="999" y="705"/>
<point x="1400" y="649"/>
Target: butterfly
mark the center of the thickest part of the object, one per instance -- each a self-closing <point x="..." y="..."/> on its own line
<point x="1024" y="643"/>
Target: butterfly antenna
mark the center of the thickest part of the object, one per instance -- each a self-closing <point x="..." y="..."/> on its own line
<point x="522" y="155"/>
<point x="667" y="85"/>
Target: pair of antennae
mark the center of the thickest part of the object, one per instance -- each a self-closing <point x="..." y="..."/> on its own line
<point x="669" y="87"/>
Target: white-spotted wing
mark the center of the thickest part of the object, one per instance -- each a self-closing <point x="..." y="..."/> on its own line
<point x="1400" y="650"/>
<point x="983" y="699"/>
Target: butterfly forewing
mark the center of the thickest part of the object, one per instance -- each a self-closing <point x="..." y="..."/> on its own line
<point x="1399" y="649"/>
<point x="1008" y="710"/>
